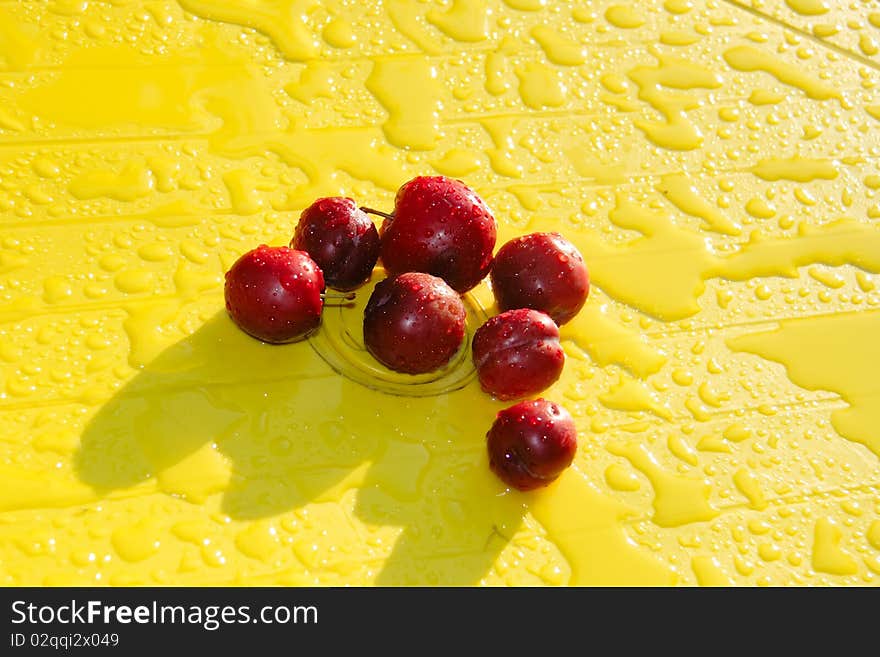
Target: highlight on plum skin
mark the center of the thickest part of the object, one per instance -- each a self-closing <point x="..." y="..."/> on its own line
<point x="274" y="294"/>
<point x="531" y="444"/>
<point x="517" y="354"/>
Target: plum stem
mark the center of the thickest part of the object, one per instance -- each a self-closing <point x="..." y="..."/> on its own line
<point x="338" y="296"/>
<point x="377" y="212"/>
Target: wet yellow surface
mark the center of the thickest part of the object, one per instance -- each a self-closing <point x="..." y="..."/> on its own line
<point x="716" y="162"/>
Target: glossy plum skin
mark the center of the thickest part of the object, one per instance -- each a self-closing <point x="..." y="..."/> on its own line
<point x="517" y="354"/>
<point x="441" y="227"/>
<point x="543" y="271"/>
<point x="531" y="443"/>
<point x="341" y="239"/>
<point x="274" y="294"/>
<point x="414" y="323"/>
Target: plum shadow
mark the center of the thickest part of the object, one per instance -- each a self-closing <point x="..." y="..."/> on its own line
<point x="294" y="433"/>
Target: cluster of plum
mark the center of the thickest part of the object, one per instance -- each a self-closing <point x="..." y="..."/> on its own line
<point x="436" y="245"/>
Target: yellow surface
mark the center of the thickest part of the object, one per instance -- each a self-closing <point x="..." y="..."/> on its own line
<point x="714" y="160"/>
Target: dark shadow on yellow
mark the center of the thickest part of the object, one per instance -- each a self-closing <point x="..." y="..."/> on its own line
<point x="295" y="432"/>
